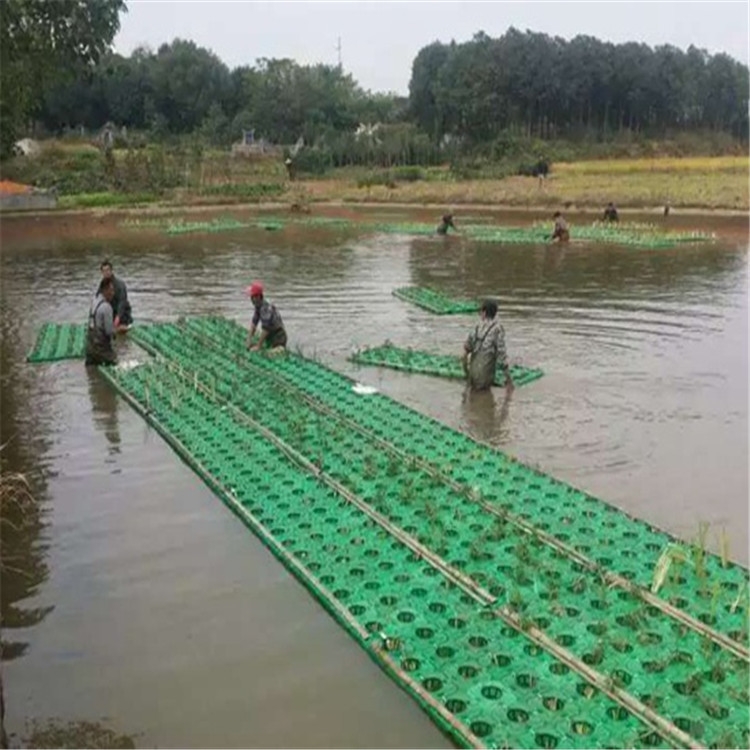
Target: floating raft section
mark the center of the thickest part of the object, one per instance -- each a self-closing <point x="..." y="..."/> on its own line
<point x="514" y="608"/>
<point x="56" y="341"/>
<point x="426" y="363"/>
<point x="623" y="233"/>
<point x="434" y="301"/>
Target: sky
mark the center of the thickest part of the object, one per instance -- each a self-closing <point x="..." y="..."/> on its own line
<point x="379" y="40"/>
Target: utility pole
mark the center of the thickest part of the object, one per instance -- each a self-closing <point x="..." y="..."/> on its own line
<point x="338" y="49"/>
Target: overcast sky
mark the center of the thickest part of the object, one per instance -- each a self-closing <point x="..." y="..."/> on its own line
<point x="379" y="40"/>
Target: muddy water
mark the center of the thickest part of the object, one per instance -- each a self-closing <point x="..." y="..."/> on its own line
<point x="142" y="603"/>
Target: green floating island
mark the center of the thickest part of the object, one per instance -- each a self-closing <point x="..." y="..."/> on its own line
<point x="515" y="609"/>
<point x="427" y="363"/>
<point x="623" y="233"/>
<point x="434" y="301"/>
<point x="56" y="341"/>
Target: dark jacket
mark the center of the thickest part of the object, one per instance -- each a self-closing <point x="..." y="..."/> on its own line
<point x="120" y="302"/>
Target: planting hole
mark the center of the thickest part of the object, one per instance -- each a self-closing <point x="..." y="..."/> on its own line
<point x="545" y="740"/>
<point x="581" y="727"/>
<point x="410" y="665"/>
<point x="553" y="704"/>
<point x="491" y="692"/>
<point x="432" y="684"/>
<point x="455" y="706"/>
<point x="585" y="690"/>
<point x="480" y="728"/>
<point x="525" y="680"/>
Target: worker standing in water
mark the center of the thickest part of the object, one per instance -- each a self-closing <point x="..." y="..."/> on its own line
<point x="101" y="329"/>
<point x="610" y="213"/>
<point x="561" y="233"/>
<point x="273" y="334"/>
<point x="484" y="350"/>
<point x="445" y="224"/>
<point x="120" y="304"/>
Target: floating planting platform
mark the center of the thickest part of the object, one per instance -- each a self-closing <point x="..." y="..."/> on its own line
<point x="56" y="341"/>
<point x="623" y="233"/>
<point x="426" y="363"/>
<point x="517" y="610"/>
<point x="434" y="301"/>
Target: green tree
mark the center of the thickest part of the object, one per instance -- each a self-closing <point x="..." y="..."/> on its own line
<point x="38" y="40"/>
<point x="186" y="80"/>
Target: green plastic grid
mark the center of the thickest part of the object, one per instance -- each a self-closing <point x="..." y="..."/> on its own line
<point x="455" y="650"/>
<point x="628" y="234"/>
<point x="605" y="534"/>
<point x="531" y="577"/>
<point x="56" y="341"/>
<point x="434" y="301"/>
<point x="427" y="363"/>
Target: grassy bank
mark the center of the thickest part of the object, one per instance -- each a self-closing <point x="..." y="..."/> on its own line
<point x="703" y="183"/>
<point x="86" y="178"/>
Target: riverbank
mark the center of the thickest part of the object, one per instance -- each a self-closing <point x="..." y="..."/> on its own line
<point x="692" y="185"/>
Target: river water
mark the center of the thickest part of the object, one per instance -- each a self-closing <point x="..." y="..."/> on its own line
<point x="135" y="599"/>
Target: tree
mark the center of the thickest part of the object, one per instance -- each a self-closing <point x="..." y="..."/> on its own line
<point x="532" y="85"/>
<point x="186" y="80"/>
<point x="38" y="40"/>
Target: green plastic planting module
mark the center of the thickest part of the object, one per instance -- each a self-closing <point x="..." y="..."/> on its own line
<point x="521" y="613"/>
<point x="56" y="341"/>
<point x="575" y="518"/>
<point x="636" y="235"/>
<point x="426" y="363"/>
<point x="435" y="301"/>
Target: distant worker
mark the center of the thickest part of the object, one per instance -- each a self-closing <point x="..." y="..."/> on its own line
<point x="610" y="213"/>
<point x="120" y="303"/>
<point x="666" y="209"/>
<point x="561" y="233"/>
<point x="289" y="164"/>
<point x="446" y="223"/>
<point x="101" y="331"/>
<point x="272" y="335"/>
<point x="484" y="350"/>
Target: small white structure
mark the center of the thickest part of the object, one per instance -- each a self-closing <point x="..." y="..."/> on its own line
<point x="26" y="147"/>
<point x="366" y="131"/>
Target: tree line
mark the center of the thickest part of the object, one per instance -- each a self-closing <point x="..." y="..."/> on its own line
<point x="547" y="87"/>
<point x="62" y="76"/>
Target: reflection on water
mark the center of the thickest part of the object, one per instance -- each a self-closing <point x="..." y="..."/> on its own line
<point x="484" y="413"/>
<point x="142" y="599"/>
<point x="104" y="404"/>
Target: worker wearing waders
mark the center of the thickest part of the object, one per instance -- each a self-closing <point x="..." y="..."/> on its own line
<point x="101" y="329"/>
<point x="272" y="333"/>
<point x="561" y="233"/>
<point x="484" y="350"/>
<point x="445" y="224"/>
<point x="610" y="213"/>
<point x="120" y="304"/>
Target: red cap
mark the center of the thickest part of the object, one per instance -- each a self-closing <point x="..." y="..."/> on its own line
<point x="255" y="289"/>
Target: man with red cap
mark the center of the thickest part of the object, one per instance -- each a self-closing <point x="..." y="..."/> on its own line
<point x="272" y="333"/>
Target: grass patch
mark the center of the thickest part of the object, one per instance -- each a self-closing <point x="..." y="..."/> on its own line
<point x="248" y="190"/>
<point x="710" y="182"/>
<point x="105" y="200"/>
<point x="739" y="164"/>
